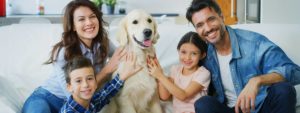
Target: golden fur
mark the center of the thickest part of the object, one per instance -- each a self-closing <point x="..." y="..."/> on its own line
<point x="139" y="93"/>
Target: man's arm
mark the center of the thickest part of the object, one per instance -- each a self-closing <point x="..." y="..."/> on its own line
<point x="274" y="65"/>
<point x="248" y="95"/>
<point x="267" y="79"/>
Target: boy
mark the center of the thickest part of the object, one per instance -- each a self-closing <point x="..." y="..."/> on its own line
<point x="81" y="83"/>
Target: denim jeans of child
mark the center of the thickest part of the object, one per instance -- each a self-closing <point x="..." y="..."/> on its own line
<point x="281" y="99"/>
<point x="42" y="101"/>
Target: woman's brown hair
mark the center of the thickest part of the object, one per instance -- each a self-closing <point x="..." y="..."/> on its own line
<point x="70" y="40"/>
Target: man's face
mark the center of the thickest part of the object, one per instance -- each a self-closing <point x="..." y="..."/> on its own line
<point x="209" y="25"/>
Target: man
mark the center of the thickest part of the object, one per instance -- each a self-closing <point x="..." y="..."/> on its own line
<point x="249" y="72"/>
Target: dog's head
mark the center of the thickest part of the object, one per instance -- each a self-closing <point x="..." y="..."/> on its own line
<point x="138" y="28"/>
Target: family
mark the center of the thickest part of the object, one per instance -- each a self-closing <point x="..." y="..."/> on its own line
<point x="221" y="70"/>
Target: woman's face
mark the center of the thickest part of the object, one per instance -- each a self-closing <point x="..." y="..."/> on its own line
<point x="86" y="24"/>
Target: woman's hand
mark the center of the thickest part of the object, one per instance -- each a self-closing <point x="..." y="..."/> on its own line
<point x="114" y="61"/>
<point x="154" y="67"/>
<point x="130" y="67"/>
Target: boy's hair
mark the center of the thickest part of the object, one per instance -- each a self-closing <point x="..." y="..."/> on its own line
<point x="198" y="5"/>
<point x="75" y="63"/>
<point x="195" y="39"/>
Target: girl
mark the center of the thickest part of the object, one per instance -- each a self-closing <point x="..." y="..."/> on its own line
<point x="189" y="80"/>
<point x="83" y="35"/>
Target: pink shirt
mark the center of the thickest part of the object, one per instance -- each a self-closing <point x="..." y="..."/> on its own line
<point x="201" y="76"/>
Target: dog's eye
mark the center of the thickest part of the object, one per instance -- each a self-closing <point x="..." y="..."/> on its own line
<point x="135" y="22"/>
<point x="149" y="20"/>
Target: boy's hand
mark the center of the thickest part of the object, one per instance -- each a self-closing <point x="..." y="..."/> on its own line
<point x="154" y="67"/>
<point x="130" y="67"/>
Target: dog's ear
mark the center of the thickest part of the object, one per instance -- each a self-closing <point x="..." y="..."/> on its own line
<point x="122" y="36"/>
<point x="156" y="35"/>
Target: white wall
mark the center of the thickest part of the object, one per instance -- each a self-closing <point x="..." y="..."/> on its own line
<point x="160" y="6"/>
<point x="272" y="11"/>
<point x="56" y="6"/>
<point x="280" y="11"/>
<point x="241" y="11"/>
<point x="31" y="6"/>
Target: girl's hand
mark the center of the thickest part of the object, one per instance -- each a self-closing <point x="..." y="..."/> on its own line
<point x="154" y="67"/>
<point x="113" y="63"/>
<point x="130" y="67"/>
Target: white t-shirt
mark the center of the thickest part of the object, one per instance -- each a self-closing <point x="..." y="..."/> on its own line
<point x="227" y="79"/>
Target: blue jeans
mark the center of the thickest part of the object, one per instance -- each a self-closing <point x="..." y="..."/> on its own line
<point x="42" y="101"/>
<point x="281" y="99"/>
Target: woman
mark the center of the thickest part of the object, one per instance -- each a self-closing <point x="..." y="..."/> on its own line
<point x="84" y="35"/>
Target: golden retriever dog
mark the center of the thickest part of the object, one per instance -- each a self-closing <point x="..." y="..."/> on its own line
<point x="138" y="33"/>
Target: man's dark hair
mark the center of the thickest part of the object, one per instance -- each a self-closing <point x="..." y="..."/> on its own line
<point x="75" y="63"/>
<point x="198" y="5"/>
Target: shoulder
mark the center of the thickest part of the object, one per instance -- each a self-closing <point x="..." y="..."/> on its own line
<point x="59" y="58"/>
<point x="60" y="52"/>
<point x="203" y="71"/>
<point x="243" y="34"/>
<point x="66" y="109"/>
<point x="70" y="106"/>
<point x="202" y="76"/>
<point x="176" y="68"/>
<point x="175" y="71"/>
<point x="249" y="38"/>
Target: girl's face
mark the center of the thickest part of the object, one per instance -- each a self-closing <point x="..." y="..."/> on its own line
<point x="189" y="56"/>
<point x="86" y="24"/>
<point x="82" y="84"/>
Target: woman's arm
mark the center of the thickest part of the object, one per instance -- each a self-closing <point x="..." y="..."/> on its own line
<point x="112" y="65"/>
<point x="58" y="65"/>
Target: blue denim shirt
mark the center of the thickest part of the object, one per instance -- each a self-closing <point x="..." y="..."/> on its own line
<point x="98" y="101"/>
<point x="252" y="55"/>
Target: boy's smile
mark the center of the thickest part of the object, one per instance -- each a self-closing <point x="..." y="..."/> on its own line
<point x="82" y="85"/>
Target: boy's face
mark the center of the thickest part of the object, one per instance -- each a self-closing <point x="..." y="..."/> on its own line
<point x="82" y="84"/>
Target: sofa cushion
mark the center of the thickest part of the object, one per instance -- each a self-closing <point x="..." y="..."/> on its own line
<point x="25" y="47"/>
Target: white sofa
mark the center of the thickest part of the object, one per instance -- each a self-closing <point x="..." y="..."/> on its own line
<point x="24" y="48"/>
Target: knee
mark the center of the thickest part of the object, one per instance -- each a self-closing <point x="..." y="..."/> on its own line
<point x="284" y="89"/>
<point x="30" y="105"/>
<point x="203" y="102"/>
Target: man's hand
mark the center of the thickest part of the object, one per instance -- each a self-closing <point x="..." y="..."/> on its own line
<point x="246" y="99"/>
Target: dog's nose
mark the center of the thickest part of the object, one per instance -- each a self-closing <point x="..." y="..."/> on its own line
<point x="147" y="32"/>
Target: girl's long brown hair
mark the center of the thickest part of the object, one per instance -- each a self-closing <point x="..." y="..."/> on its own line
<point x="70" y="40"/>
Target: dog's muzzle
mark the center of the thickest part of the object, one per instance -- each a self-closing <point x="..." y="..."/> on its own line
<point x="147" y="36"/>
<point x="147" y="33"/>
<point x="145" y="43"/>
